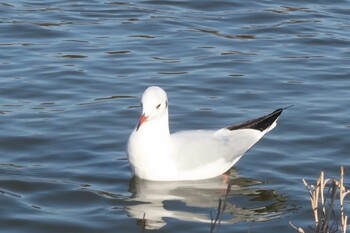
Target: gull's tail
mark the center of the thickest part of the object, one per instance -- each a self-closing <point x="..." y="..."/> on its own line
<point x="263" y="124"/>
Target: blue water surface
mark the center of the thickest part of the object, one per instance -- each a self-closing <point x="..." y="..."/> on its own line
<point x="71" y="77"/>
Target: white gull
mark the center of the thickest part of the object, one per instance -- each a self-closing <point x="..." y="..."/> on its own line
<point x="155" y="154"/>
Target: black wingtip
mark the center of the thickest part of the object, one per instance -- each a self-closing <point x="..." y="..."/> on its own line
<point x="288" y="107"/>
<point x="261" y="123"/>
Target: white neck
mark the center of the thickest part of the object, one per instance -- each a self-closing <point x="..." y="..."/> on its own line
<point x="156" y="128"/>
<point x="150" y="149"/>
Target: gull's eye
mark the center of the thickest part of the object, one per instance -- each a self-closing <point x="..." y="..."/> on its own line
<point x="158" y="106"/>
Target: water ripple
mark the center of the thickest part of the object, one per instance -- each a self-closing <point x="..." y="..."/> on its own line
<point x="71" y="77"/>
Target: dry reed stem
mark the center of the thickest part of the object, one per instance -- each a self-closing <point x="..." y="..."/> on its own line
<point x="342" y="194"/>
<point x="142" y="223"/>
<point x="215" y="223"/>
<point x="299" y="229"/>
<point x="323" y="210"/>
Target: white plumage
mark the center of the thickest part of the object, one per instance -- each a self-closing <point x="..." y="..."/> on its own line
<point x="155" y="154"/>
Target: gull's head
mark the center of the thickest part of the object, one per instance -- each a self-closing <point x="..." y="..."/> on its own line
<point x="154" y="104"/>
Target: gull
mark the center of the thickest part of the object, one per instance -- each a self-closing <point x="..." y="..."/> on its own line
<point x="156" y="154"/>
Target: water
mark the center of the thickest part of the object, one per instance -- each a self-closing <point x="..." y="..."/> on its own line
<point x="72" y="73"/>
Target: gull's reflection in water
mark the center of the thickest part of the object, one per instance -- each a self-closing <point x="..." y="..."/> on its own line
<point x="152" y="202"/>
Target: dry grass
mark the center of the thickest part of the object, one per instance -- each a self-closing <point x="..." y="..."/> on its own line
<point x="327" y="202"/>
<point x="142" y="223"/>
<point x="215" y="223"/>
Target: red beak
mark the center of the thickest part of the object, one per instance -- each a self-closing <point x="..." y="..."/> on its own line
<point x="141" y="121"/>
